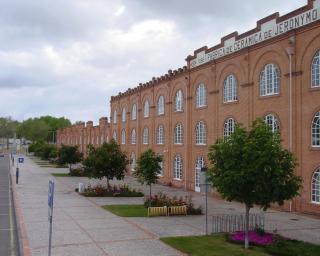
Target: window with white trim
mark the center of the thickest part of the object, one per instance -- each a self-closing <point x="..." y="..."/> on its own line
<point x="201" y="133"/>
<point x="315" y="187"/>
<point x="115" y="116"/>
<point x="161" y="105"/>
<point x="315" y="70"/>
<point x="201" y="96"/>
<point x="133" y="136"/>
<point x="133" y="161"/>
<point x="269" y="80"/>
<point x="272" y="121"/>
<point x="230" y="92"/>
<point x="134" y="112"/>
<point x="123" y="115"/>
<point x="123" y="136"/>
<point x="315" y="130"/>
<point x="114" y="136"/>
<point x="177" y="167"/>
<point x="178" y="134"/>
<point x="178" y="103"/>
<point x="199" y="164"/>
<point x="229" y="127"/>
<point x="146" y="109"/>
<point x="160" y="135"/>
<point x="145" y="136"/>
<point x="161" y="168"/>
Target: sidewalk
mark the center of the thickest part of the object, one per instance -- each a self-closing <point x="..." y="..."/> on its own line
<point x="81" y="227"/>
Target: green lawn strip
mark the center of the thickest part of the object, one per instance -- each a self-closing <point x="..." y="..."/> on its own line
<point x="127" y="210"/>
<point x="60" y="174"/>
<point x="215" y="245"/>
<point x="293" y="248"/>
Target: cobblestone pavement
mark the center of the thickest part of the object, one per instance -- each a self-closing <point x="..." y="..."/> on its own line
<point x="81" y="227"/>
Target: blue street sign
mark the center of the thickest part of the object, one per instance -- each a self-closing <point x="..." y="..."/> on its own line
<point x="20" y="160"/>
<point x="50" y="197"/>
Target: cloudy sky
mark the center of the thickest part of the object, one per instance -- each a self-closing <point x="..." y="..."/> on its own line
<point x="67" y="57"/>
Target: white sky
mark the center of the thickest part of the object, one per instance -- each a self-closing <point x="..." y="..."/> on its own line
<point x="68" y="57"/>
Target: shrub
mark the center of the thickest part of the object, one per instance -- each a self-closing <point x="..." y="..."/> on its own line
<point x="78" y="172"/>
<point x="117" y="191"/>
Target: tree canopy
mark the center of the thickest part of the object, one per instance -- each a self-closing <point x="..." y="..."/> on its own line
<point x="107" y="161"/>
<point x="69" y="155"/>
<point x="253" y="168"/>
<point x="8" y="127"/>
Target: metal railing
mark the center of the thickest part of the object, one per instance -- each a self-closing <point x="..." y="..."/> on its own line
<point x="236" y="222"/>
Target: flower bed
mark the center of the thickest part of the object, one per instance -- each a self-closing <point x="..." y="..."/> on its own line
<point x="162" y="199"/>
<point x="255" y="238"/>
<point x="111" y="191"/>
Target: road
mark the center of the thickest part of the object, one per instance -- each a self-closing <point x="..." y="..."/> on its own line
<point x="8" y="231"/>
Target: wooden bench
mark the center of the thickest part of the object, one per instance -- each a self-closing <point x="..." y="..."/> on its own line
<point x="177" y="210"/>
<point x="157" y="211"/>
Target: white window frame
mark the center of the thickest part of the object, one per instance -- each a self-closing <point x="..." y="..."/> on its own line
<point x="315" y="130"/>
<point x="230" y="89"/>
<point x="123" y="115"/>
<point x="146" y="109"/>
<point x="134" y="112"/>
<point x="198" y="166"/>
<point x="114" y="136"/>
<point x="133" y="161"/>
<point x="201" y="133"/>
<point x="123" y="136"/>
<point x="229" y="127"/>
<point x="160" y="105"/>
<point x="145" y="136"/>
<point x="115" y="116"/>
<point x="315" y="70"/>
<point x="177" y="167"/>
<point x="315" y="187"/>
<point x="160" y="135"/>
<point x="270" y="80"/>
<point x="201" y="96"/>
<point x="178" y="134"/>
<point x="178" y="102"/>
<point x="133" y="136"/>
<point x="272" y="121"/>
<point x="162" y="168"/>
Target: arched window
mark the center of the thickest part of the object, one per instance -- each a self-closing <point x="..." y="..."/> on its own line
<point x="229" y="127"/>
<point x="146" y="109"/>
<point x="115" y="116"/>
<point x="269" y="80"/>
<point x="177" y="167"/>
<point x="315" y="70"/>
<point x="123" y="115"/>
<point x="201" y="133"/>
<point x="199" y="164"/>
<point x="123" y="136"/>
<point x="315" y="187"/>
<point x="145" y="137"/>
<point x="162" y="167"/>
<point x="178" y="134"/>
<point x="133" y="161"/>
<point x="315" y="130"/>
<point x="230" y="93"/>
<point x="201" y="96"/>
<point x="134" y="112"/>
<point x="160" y="135"/>
<point x="114" y="136"/>
<point x="272" y="122"/>
<point x="178" y="103"/>
<point x="133" y="136"/>
<point x="161" y="105"/>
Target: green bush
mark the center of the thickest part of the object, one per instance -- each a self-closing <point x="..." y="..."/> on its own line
<point x="114" y="191"/>
<point x="48" y="151"/>
<point x="78" y="172"/>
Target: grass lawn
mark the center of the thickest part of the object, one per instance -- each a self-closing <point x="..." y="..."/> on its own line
<point x="215" y="245"/>
<point x="127" y="210"/>
<point x="60" y="174"/>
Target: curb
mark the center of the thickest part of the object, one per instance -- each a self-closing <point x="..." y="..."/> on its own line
<point x="24" y="248"/>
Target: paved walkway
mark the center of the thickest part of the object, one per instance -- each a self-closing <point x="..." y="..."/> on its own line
<point x="81" y="227"/>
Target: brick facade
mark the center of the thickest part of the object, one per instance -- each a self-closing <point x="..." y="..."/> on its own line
<point x="300" y="44"/>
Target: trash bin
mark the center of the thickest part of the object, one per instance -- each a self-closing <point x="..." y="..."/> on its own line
<point x="81" y="187"/>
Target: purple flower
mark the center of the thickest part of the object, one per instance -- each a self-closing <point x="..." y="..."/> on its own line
<point x="253" y="237"/>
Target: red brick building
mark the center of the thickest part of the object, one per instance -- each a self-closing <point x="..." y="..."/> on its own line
<point x="271" y="71"/>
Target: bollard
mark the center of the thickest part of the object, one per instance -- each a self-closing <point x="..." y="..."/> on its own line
<point x="17" y="175"/>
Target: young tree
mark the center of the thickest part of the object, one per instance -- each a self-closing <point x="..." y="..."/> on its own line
<point x="148" y="168"/>
<point x="69" y="155"/>
<point x="252" y="167"/>
<point x="107" y="161"/>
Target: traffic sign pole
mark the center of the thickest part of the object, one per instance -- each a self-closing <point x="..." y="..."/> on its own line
<point x="50" y="212"/>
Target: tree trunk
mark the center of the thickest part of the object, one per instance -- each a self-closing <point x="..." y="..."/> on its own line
<point x="150" y="195"/>
<point x="108" y="184"/>
<point x="69" y="167"/>
<point x="246" y="239"/>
